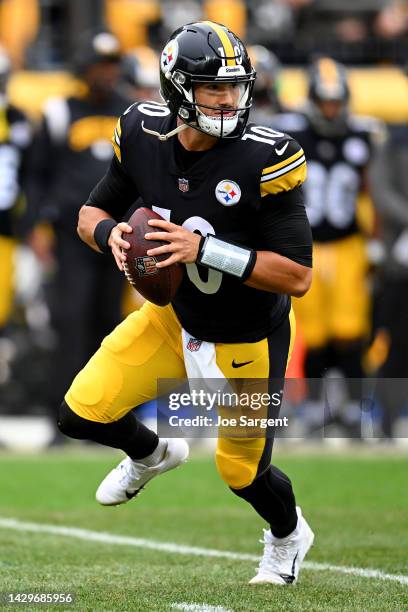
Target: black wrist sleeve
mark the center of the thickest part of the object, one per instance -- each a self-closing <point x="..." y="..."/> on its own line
<point x="102" y="232"/>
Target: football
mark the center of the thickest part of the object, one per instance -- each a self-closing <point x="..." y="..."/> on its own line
<point x="156" y="285"/>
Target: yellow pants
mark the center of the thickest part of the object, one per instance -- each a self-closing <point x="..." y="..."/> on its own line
<point x="147" y="346"/>
<point x="7" y="252"/>
<point x="337" y="304"/>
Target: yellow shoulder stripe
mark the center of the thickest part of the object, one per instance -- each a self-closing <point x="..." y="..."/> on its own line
<point x="225" y="41"/>
<point x="116" y="140"/>
<point x="116" y="150"/>
<point x="283" y="163"/>
<point x="286" y="181"/>
<point x="119" y="128"/>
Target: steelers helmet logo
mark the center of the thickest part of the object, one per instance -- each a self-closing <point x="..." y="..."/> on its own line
<point x="169" y="56"/>
<point x="228" y="193"/>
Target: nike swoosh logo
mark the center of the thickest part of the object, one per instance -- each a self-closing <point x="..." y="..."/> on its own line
<point x="132" y="495"/>
<point x="239" y="365"/>
<point x="287" y="578"/>
<point x="282" y="149"/>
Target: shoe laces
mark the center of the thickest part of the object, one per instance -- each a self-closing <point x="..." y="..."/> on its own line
<point x="273" y="555"/>
<point x="130" y="471"/>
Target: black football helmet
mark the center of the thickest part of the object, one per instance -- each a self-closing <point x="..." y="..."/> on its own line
<point x="268" y="71"/>
<point x="206" y="52"/>
<point x="328" y="83"/>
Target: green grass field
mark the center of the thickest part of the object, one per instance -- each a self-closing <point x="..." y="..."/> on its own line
<point x="357" y="505"/>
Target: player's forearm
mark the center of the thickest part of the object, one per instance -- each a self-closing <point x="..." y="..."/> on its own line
<point x="88" y="219"/>
<point x="278" y="274"/>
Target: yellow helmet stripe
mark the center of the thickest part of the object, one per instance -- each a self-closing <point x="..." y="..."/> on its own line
<point x="328" y="71"/>
<point x="225" y="41"/>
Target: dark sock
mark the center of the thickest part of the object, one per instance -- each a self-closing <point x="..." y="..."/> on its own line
<point x="271" y="495"/>
<point x="128" y="433"/>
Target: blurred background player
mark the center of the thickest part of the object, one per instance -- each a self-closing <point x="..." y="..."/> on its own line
<point x="139" y="75"/>
<point x="15" y="138"/>
<point x="71" y="151"/>
<point x="334" y="315"/>
<point x="266" y="100"/>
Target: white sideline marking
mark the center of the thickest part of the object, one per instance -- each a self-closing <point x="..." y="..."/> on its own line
<point x="109" y="538"/>
<point x="186" y="607"/>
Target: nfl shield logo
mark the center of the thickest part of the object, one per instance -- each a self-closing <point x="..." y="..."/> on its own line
<point x="146" y="265"/>
<point x="193" y="345"/>
<point x="183" y="184"/>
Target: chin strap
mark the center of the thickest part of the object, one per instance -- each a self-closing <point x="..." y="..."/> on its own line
<point x="164" y="137"/>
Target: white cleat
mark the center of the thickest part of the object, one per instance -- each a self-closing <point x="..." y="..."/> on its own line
<point x="283" y="557"/>
<point x="129" y="477"/>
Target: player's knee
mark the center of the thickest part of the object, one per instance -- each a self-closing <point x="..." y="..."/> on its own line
<point x="235" y="473"/>
<point x="70" y="423"/>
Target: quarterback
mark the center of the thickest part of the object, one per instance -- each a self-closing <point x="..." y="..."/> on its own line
<point x="218" y="183"/>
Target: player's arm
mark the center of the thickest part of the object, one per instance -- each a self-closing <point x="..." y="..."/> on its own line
<point x="99" y="223"/>
<point x="284" y="259"/>
<point x="284" y="263"/>
<point x="278" y="274"/>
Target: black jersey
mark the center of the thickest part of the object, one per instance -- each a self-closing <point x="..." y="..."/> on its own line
<point x="224" y="192"/>
<point x="15" y="137"/>
<point x="336" y="168"/>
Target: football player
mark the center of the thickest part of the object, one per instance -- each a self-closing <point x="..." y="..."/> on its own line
<point x="140" y="80"/>
<point x="15" y="138"/>
<point x="266" y="94"/>
<point x="334" y="316"/>
<point x="223" y="188"/>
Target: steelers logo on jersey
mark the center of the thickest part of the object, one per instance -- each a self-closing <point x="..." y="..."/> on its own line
<point x="228" y="193"/>
<point x="169" y="56"/>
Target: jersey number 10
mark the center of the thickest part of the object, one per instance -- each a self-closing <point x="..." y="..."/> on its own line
<point x="213" y="283"/>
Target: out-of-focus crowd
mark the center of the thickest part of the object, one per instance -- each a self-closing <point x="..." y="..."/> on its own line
<point x="44" y="31"/>
<point x="58" y="298"/>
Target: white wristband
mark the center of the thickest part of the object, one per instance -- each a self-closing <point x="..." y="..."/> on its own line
<point x="227" y="257"/>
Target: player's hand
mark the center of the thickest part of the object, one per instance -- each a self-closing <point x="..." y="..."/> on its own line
<point x="118" y="244"/>
<point x="182" y="244"/>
